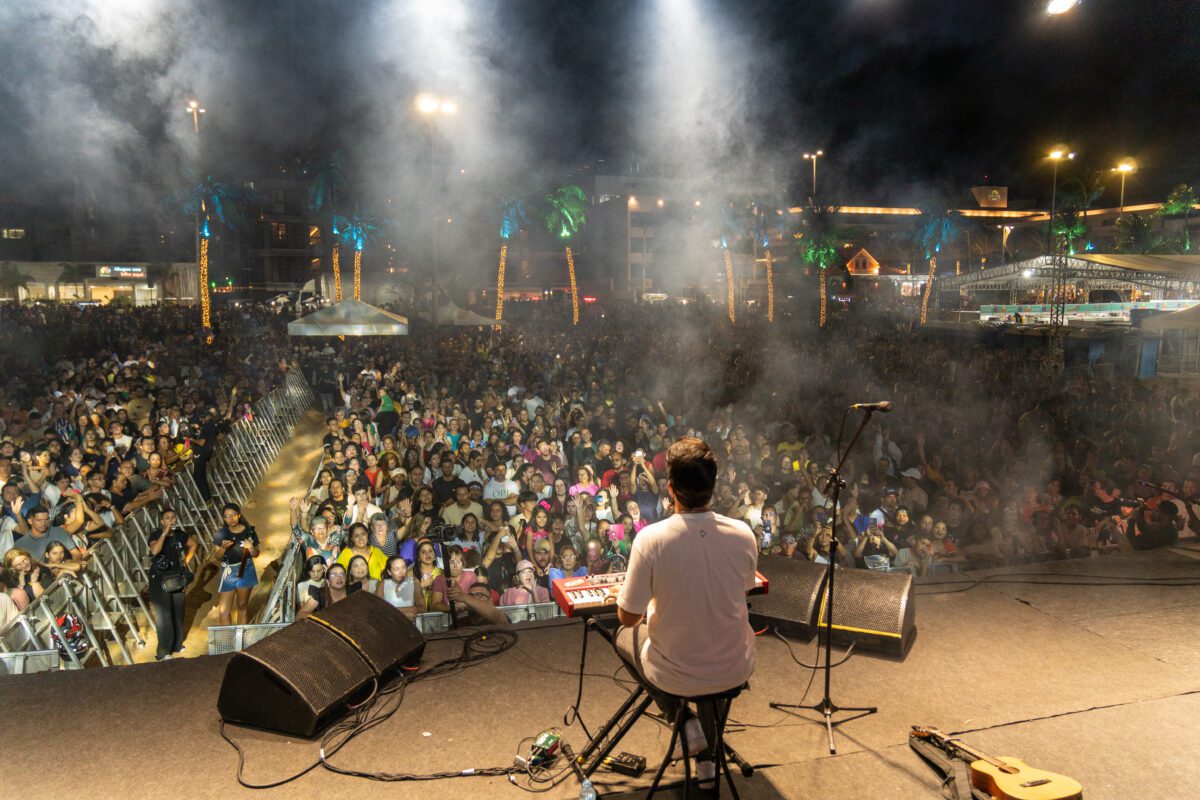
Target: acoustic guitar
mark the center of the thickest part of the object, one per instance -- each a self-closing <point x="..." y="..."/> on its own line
<point x="1004" y="778"/>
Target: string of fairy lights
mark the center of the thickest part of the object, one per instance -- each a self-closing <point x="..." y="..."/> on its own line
<point x="337" y="273"/>
<point x="770" y="289"/>
<point x="574" y="288"/>
<point x="928" y="289"/>
<point x="500" y="281"/>
<point x="729" y="284"/>
<point x="357" y="274"/>
<point x="205" y="299"/>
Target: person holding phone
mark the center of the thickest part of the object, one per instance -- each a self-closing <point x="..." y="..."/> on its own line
<point x="238" y="545"/>
<point x="500" y="559"/>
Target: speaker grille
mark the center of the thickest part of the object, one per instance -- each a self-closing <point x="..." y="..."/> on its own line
<point x="872" y="609"/>
<point x="790" y="606"/>
<point x="297" y="680"/>
<point x="384" y="635"/>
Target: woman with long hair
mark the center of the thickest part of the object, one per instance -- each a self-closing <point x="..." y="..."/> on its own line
<point x="171" y="553"/>
<point x="358" y="572"/>
<point x="22" y="572"/>
<point x="336" y="588"/>
<point x="239" y="546"/>
<point x="398" y="587"/>
<point x="427" y="572"/>
<point x="360" y="545"/>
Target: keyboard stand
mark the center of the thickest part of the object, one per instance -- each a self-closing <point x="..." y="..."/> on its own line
<point x="600" y="745"/>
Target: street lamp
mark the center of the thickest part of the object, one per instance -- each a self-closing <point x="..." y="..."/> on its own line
<point x="1056" y="155"/>
<point x="193" y="108"/>
<point x="1056" y="7"/>
<point x="813" y="158"/>
<point x="1126" y="166"/>
<point x="430" y="106"/>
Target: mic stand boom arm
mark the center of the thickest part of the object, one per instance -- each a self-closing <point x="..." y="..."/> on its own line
<point x="833" y="488"/>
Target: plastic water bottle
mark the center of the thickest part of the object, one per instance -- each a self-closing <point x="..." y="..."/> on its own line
<point x="587" y="792"/>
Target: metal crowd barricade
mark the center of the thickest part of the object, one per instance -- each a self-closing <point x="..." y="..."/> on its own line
<point x="439" y="621"/>
<point x="35" y="629"/>
<point x="107" y="598"/>
<point x="233" y="638"/>
<point x="28" y="661"/>
<point x="281" y="601"/>
<point x="252" y="442"/>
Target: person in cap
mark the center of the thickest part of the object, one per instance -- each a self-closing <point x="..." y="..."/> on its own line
<point x="527" y="590"/>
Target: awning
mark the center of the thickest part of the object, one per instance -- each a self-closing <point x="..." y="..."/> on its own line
<point x="1186" y="320"/>
<point x="349" y="318"/>
<point x="451" y="314"/>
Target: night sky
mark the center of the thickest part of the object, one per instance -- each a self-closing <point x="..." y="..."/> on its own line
<point x="910" y="99"/>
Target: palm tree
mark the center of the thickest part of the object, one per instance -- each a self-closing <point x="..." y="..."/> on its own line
<point x="1134" y="234"/>
<point x="1181" y="200"/>
<point x="1076" y="196"/>
<point x="818" y="245"/>
<point x="74" y="275"/>
<point x="565" y="217"/>
<point x="326" y="184"/>
<point x="356" y="230"/>
<point x="12" y="280"/>
<point x="512" y="215"/>
<point x="936" y="226"/>
<point x="210" y="200"/>
<point x="734" y="220"/>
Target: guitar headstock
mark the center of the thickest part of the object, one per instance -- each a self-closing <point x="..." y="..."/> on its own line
<point x="927" y="732"/>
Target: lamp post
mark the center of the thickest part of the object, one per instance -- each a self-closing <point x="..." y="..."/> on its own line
<point x="193" y="108"/>
<point x="431" y="107"/>
<point x="1056" y="155"/>
<point x="813" y="158"/>
<point x="1126" y="166"/>
<point x="1058" y="7"/>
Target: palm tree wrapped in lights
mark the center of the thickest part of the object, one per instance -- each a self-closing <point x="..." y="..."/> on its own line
<point x="731" y="225"/>
<point x="325" y="183"/>
<point x="936" y="226"/>
<point x="818" y="245"/>
<point x="356" y="230"/>
<point x="209" y="201"/>
<point x="766" y="218"/>
<point x="1181" y="201"/>
<point x="565" y="217"/>
<point x="512" y="215"/>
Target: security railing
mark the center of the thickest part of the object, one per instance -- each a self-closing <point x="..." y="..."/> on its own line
<point x="106" y="600"/>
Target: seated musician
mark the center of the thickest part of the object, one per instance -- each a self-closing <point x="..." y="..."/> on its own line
<point x="685" y="626"/>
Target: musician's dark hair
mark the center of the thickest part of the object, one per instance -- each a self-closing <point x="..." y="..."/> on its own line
<point x="692" y="471"/>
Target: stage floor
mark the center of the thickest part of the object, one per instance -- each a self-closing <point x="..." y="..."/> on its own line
<point x="1098" y="683"/>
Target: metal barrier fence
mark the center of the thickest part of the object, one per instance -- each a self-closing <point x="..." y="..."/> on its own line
<point x="231" y="638"/>
<point x="106" y="599"/>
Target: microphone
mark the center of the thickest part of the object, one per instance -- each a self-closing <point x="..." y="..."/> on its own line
<point x="882" y="405"/>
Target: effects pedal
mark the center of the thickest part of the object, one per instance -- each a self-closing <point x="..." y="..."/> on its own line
<point x="626" y="764"/>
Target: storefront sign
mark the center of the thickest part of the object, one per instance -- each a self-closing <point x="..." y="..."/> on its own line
<point x="116" y="272"/>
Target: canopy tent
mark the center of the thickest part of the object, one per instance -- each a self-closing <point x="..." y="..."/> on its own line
<point x="1186" y="320"/>
<point x="349" y="318"/>
<point x="451" y="314"/>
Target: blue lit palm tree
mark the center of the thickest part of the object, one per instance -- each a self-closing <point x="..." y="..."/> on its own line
<point x="937" y="225"/>
<point x="566" y="214"/>
<point x="356" y="231"/>
<point x="512" y="216"/>
<point x="210" y="201"/>
<point x="326" y="188"/>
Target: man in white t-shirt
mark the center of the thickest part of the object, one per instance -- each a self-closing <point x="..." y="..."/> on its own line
<point x="688" y="577"/>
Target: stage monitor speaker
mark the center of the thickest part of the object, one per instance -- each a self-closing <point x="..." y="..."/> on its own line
<point x="874" y="610"/>
<point x="300" y="679"/>
<point x="790" y="606"/>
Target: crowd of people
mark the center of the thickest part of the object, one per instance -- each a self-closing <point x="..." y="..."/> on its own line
<point x="519" y="455"/>
<point x="538" y="453"/>
<point x="99" y="409"/>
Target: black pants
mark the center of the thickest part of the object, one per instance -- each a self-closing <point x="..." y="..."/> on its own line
<point x="200" y="475"/>
<point x="628" y="643"/>
<point x="168" y="617"/>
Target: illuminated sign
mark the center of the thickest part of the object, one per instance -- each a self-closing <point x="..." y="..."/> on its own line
<point x="120" y="272"/>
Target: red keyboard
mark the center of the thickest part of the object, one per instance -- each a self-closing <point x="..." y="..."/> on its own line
<point x="589" y="595"/>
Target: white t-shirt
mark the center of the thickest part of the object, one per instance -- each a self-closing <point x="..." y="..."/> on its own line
<point x="689" y="574"/>
<point x="497" y="490"/>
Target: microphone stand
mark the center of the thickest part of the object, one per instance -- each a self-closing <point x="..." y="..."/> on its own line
<point x="827" y="708"/>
